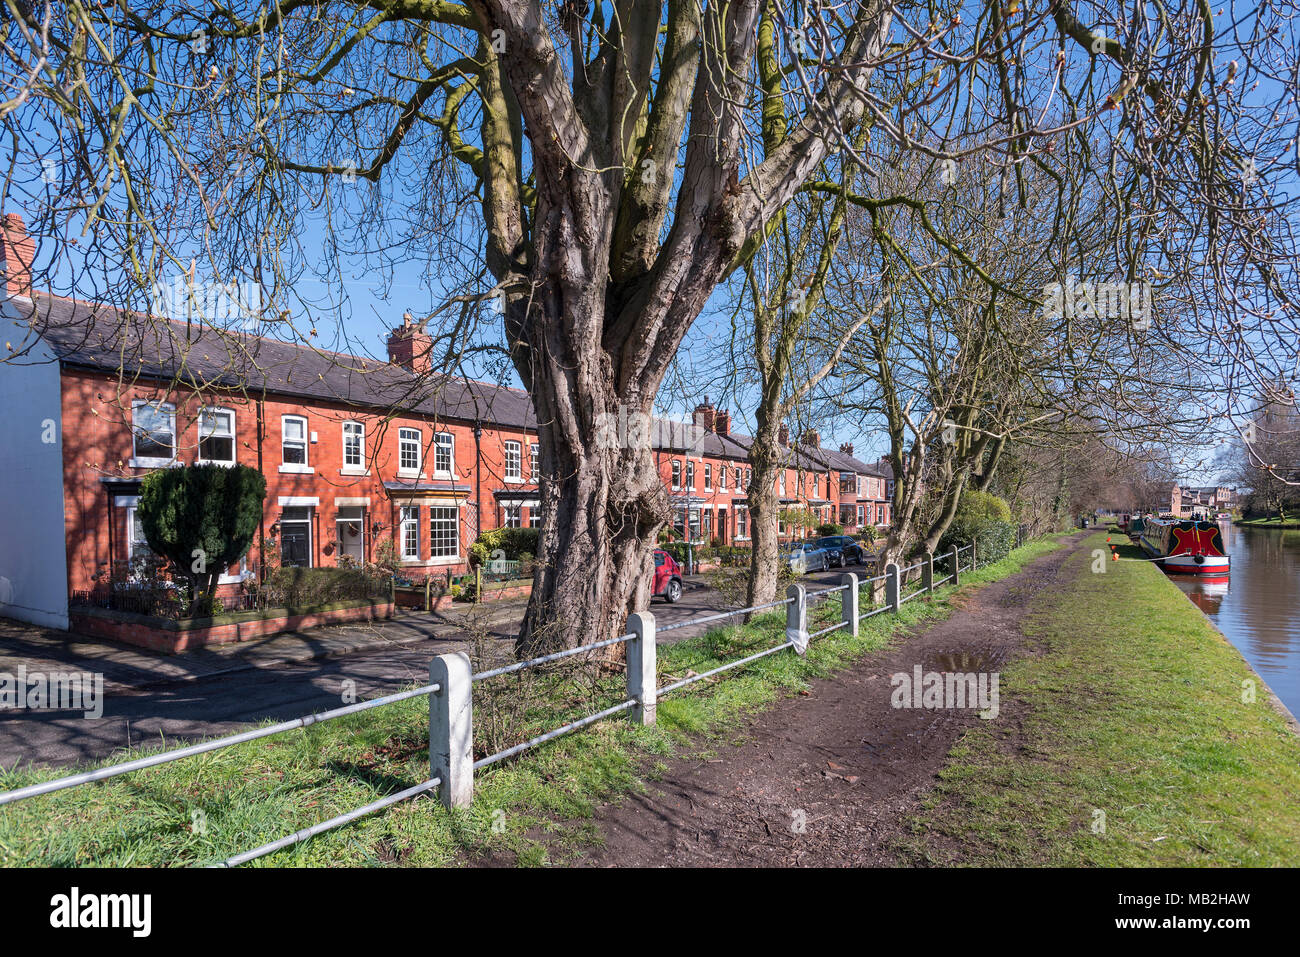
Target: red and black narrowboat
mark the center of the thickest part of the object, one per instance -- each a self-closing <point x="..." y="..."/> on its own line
<point x="1187" y="547"/>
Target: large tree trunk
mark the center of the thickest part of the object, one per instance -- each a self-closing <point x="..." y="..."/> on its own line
<point x="599" y="527"/>
<point x="764" y="510"/>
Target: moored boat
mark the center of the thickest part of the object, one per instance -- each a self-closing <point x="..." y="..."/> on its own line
<point x="1186" y="547"/>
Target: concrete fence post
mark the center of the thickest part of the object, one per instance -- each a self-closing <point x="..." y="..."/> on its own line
<point x="892" y="586"/>
<point x="956" y="566"/>
<point x="927" y="572"/>
<point x="849" y="603"/>
<point x="796" y="617"/>
<point x="451" y="728"/>
<point x="642" y="667"/>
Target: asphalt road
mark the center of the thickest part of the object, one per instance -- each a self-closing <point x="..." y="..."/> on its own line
<point x="225" y="703"/>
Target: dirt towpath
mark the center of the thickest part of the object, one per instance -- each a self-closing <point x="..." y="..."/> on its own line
<point x="825" y="779"/>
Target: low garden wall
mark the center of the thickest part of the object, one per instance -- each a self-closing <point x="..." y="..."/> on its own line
<point x="186" y="634"/>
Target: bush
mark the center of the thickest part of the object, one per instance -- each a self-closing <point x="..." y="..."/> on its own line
<point x="995" y="540"/>
<point x="830" y="528"/>
<point x="308" y="587"/>
<point x="514" y="542"/>
<point x="982" y="518"/>
<point x="202" y="518"/>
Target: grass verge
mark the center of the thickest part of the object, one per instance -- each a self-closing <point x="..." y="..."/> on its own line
<point x="1130" y="741"/>
<point x="204" y="809"/>
<point x="1274" y="522"/>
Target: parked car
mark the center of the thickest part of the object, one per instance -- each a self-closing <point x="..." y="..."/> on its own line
<point x="843" y="550"/>
<point x="808" y="557"/>
<point x="668" y="577"/>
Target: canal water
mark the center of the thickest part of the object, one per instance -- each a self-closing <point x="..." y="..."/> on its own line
<point x="1258" y="609"/>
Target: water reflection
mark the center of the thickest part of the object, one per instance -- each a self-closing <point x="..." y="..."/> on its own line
<point x="1259" y="607"/>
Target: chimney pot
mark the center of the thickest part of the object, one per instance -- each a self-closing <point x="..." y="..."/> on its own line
<point x="411" y="346"/>
<point x="17" y="251"/>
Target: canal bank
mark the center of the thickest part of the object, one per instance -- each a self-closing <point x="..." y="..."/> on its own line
<point x="1139" y="737"/>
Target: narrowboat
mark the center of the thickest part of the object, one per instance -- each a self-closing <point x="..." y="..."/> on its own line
<point x="1136" y="525"/>
<point x="1186" y="547"/>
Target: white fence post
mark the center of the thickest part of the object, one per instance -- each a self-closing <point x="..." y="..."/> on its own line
<point x="642" y="667"/>
<point x="892" y="589"/>
<point x="451" y="728"/>
<point x="849" y="602"/>
<point x="927" y="572"/>
<point x="956" y="566"/>
<point x="796" y="618"/>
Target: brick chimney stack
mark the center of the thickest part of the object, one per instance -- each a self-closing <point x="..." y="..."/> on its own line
<point x="17" y="250"/>
<point x="722" y="422"/>
<point x="812" y="438"/>
<point x="706" y="416"/>
<point x="847" y="448"/>
<point x="410" y="346"/>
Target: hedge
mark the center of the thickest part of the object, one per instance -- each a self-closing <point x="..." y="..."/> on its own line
<point x="308" y="587"/>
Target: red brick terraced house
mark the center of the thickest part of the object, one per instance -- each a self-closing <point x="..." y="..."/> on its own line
<point x="359" y="455"/>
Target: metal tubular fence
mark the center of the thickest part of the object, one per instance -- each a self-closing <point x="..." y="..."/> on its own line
<point x="545" y="659"/>
<point x="451" y="705"/>
<point x="166" y="757"/>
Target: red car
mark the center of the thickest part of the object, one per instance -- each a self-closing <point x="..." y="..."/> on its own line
<point x="668" y="577"/>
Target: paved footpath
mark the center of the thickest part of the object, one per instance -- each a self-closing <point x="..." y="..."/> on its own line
<point x="841" y="760"/>
<point x="179" y="698"/>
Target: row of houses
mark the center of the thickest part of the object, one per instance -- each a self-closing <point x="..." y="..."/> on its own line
<point x="1200" y="502"/>
<point x="361" y="456"/>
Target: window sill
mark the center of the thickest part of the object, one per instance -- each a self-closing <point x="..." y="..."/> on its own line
<point x="224" y="464"/>
<point x="431" y="562"/>
<point x="354" y="471"/>
<point x="513" y="481"/>
<point x="153" y="463"/>
<point x="410" y="474"/>
<point x="297" y="470"/>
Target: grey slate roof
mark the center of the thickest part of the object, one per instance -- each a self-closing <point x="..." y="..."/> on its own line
<point x="108" y="339"/>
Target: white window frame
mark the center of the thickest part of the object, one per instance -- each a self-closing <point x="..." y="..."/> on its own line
<point x="512" y="515"/>
<point x="534" y="460"/>
<point x="152" y="461"/>
<point x="305" y="464"/>
<point x="742" y="522"/>
<point x="408" y="520"/>
<point x="690" y="476"/>
<point x="708" y="477"/>
<point x="722" y="478"/>
<point x="132" y="511"/>
<point x="216" y="409"/>
<point x="677" y="474"/>
<point x="357" y="468"/>
<point x="513" y="455"/>
<point x="444" y="556"/>
<point x="404" y="444"/>
<point x="444" y="442"/>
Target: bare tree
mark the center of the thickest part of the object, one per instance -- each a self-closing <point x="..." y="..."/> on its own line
<point x="599" y="169"/>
